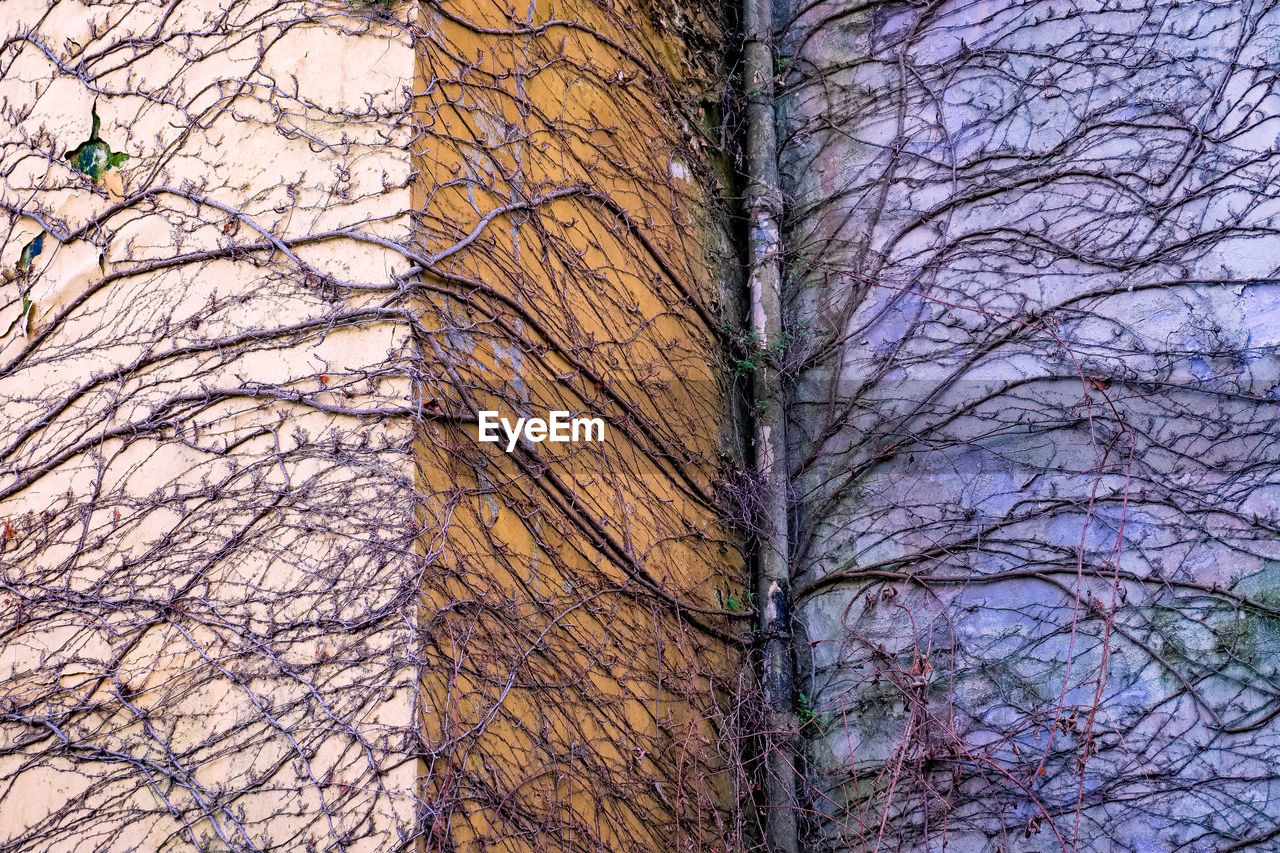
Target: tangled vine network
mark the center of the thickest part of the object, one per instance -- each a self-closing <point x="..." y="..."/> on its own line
<point x="1032" y="290"/>
<point x="262" y="589"/>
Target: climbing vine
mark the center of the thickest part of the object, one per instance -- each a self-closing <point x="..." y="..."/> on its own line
<point x="260" y="586"/>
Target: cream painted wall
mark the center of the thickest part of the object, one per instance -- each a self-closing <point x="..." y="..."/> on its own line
<point x="205" y="476"/>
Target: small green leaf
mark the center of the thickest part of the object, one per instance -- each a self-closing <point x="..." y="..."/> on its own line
<point x="804" y="709"/>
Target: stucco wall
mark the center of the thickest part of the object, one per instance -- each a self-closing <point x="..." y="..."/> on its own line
<point x="207" y="480"/>
<point x="582" y="685"/>
<point x="1033" y="285"/>
<point x="261" y="588"/>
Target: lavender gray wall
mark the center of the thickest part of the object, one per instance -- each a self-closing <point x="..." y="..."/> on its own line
<point x="1032" y="283"/>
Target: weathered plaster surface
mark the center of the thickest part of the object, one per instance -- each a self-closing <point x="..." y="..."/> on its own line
<point x="1034" y="272"/>
<point x="580" y="589"/>
<point x="260" y="589"/>
<point x="206" y="546"/>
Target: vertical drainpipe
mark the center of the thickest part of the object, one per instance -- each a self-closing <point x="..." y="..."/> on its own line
<point x="763" y="200"/>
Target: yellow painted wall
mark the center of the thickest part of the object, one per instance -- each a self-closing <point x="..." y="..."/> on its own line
<point x="578" y="601"/>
